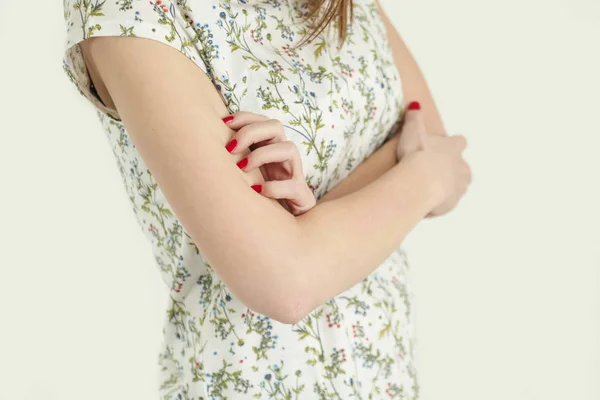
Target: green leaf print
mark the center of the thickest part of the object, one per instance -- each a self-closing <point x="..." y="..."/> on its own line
<point x="337" y="105"/>
<point x="127" y="31"/>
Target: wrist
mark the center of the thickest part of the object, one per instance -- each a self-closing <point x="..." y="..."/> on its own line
<point x="431" y="185"/>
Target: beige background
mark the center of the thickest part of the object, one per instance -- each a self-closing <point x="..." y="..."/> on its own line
<point x="508" y="284"/>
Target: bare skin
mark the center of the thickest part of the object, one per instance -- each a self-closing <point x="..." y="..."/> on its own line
<point x="279" y="264"/>
<point x="414" y="88"/>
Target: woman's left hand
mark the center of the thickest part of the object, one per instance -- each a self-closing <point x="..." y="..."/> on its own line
<point x="277" y="157"/>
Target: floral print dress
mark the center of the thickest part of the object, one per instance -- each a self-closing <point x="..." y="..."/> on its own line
<point x="338" y="105"/>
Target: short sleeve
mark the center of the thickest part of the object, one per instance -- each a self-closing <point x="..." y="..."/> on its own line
<point x="159" y="20"/>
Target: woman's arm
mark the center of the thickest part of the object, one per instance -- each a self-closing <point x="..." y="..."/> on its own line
<point x="277" y="264"/>
<point x="413" y="82"/>
<point x="369" y="170"/>
<point x="414" y="89"/>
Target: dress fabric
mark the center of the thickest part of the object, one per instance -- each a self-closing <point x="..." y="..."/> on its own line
<point x="338" y="105"/>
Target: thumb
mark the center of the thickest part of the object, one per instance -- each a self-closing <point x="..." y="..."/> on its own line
<point x="414" y="127"/>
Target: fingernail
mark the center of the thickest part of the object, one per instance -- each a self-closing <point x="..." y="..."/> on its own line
<point x="242" y="163"/>
<point x="414" y="106"/>
<point x="227" y="119"/>
<point x="231" y="145"/>
<point x="257" y="188"/>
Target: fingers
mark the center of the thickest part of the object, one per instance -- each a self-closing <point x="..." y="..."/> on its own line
<point x="460" y="142"/>
<point x="292" y="190"/>
<point x="261" y="131"/>
<point x="265" y="138"/>
<point x="288" y="189"/>
<point x="236" y="120"/>
<point x="413" y="136"/>
<point x="414" y="120"/>
<point x="273" y="153"/>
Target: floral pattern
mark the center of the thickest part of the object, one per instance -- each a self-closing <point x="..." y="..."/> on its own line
<point x="338" y="105"/>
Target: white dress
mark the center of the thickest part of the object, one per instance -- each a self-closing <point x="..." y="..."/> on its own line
<point x="338" y="106"/>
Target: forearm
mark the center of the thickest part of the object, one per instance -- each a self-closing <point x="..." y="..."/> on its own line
<point x="289" y="265"/>
<point x="301" y="262"/>
<point x="277" y="264"/>
<point x="368" y="171"/>
<point x="414" y="88"/>
<point x="347" y="238"/>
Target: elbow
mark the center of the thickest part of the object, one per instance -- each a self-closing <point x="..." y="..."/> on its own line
<point x="289" y="311"/>
<point x="281" y="298"/>
<point x="292" y="297"/>
<point x="282" y="304"/>
<point x="280" y="287"/>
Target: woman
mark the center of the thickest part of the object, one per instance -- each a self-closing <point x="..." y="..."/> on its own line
<point x="270" y="178"/>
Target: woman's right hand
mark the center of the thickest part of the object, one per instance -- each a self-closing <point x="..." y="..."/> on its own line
<point x="442" y="155"/>
<point x="277" y="157"/>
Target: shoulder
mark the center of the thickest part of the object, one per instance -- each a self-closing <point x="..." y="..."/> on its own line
<point x="156" y="20"/>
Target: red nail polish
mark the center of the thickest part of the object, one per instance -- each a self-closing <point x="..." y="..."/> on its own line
<point x="231" y="145"/>
<point x="414" y="106"/>
<point x="242" y="163"/>
<point x="257" y="188"/>
<point x="227" y="119"/>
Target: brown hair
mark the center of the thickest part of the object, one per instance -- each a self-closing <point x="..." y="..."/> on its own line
<point x="321" y="17"/>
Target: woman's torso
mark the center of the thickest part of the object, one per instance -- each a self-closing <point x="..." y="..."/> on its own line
<point x="338" y="107"/>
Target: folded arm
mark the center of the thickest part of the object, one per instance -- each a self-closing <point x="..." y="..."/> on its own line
<point x="277" y="264"/>
<point x="414" y="88"/>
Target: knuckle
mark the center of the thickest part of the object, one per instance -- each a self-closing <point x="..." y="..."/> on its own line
<point x="460" y="139"/>
<point x="292" y="148"/>
<point x="298" y="186"/>
<point x="245" y="132"/>
<point x="468" y="173"/>
<point x="302" y="190"/>
<point x="277" y="124"/>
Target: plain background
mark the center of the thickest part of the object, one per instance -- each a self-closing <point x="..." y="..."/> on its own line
<point x="508" y="303"/>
